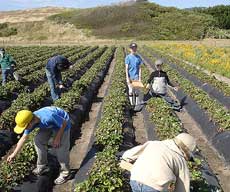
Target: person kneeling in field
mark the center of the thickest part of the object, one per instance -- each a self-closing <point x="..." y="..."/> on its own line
<point x="158" y="166"/>
<point x="158" y="83"/>
<point x="50" y="121"/>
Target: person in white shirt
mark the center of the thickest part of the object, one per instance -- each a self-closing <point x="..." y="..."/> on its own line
<point x="159" y="165"/>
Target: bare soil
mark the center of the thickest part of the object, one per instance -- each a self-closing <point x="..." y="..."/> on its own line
<point x="215" y="162"/>
<point x="84" y="143"/>
<point x="139" y="127"/>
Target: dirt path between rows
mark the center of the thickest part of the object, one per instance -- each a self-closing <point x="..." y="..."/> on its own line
<point x="139" y="128"/>
<point x="84" y="143"/>
<point x="215" y="162"/>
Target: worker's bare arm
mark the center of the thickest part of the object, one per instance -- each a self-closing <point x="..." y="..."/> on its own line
<point x="18" y="148"/>
<point x="57" y="139"/>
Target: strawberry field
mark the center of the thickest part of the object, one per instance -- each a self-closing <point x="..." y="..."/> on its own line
<point x="96" y="96"/>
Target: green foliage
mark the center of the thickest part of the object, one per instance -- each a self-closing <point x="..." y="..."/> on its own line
<point x="105" y="174"/>
<point x="13" y="173"/>
<point x="167" y="126"/>
<point x="214" y="109"/>
<point x="6" y="31"/>
<point x="221" y="13"/>
<point x="143" y="20"/>
<point x="223" y="87"/>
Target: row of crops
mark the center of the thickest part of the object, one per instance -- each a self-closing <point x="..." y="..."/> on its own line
<point x="214" y="59"/>
<point x="105" y="173"/>
<point x="92" y="60"/>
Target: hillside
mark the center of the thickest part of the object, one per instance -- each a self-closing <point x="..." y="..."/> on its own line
<point x="32" y="25"/>
<point x="29" y="15"/>
<point x="143" y="20"/>
<point x="139" y="20"/>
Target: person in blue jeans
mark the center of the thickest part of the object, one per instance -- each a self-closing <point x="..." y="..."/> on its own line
<point x="133" y="63"/>
<point x="160" y="166"/>
<point x="54" y="67"/>
<point x="7" y="65"/>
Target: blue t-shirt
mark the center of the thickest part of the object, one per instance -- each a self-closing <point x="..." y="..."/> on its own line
<point x="50" y="118"/>
<point x="133" y="61"/>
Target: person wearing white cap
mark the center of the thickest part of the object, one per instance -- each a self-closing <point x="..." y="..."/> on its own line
<point x="158" y="83"/>
<point x="133" y="72"/>
<point x="160" y="165"/>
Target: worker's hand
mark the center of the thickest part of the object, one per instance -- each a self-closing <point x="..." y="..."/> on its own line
<point x="171" y="187"/>
<point x="57" y="142"/>
<point x="10" y="158"/>
<point x="61" y="86"/>
<point x="147" y="86"/>
<point x="176" y="88"/>
<point x="125" y="165"/>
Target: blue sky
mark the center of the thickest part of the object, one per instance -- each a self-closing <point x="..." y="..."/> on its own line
<point x="25" y="4"/>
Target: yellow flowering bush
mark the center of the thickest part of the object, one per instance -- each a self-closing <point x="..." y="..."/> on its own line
<point x="214" y="59"/>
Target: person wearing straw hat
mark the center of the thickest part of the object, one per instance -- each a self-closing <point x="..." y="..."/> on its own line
<point x="50" y="121"/>
<point x="133" y="72"/>
<point x="158" y="166"/>
<point x="158" y="83"/>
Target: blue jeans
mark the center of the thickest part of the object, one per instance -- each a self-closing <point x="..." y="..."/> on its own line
<point x="5" y="74"/>
<point x="138" y="187"/>
<point x="55" y="92"/>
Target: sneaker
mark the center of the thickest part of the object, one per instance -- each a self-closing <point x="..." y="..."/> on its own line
<point x="40" y="171"/>
<point x="61" y="179"/>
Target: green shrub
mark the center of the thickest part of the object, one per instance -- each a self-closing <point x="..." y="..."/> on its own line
<point x="143" y="20"/>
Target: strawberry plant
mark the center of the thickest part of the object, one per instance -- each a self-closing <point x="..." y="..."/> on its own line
<point x="13" y="173"/>
<point x="225" y="88"/>
<point x="167" y="126"/>
<point x="105" y="174"/>
<point x="214" y="109"/>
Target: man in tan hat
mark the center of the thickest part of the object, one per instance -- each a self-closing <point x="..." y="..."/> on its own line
<point x="159" y="165"/>
<point x="50" y="121"/>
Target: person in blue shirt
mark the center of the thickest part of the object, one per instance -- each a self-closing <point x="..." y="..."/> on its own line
<point x="133" y="70"/>
<point x="51" y="121"/>
<point x="54" y="66"/>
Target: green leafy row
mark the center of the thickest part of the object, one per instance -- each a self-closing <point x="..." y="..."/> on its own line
<point x="33" y="57"/>
<point x="70" y="98"/>
<point x="33" y="100"/>
<point x="12" y="174"/>
<point x="6" y="92"/>
<point x="223" y="87"/>
<point x="105" y="174"/>
<point x="214" y="109"/>
<point x="26" y="159"/>
<point x="39" y="64"/>
<point x="167" y="126"/>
